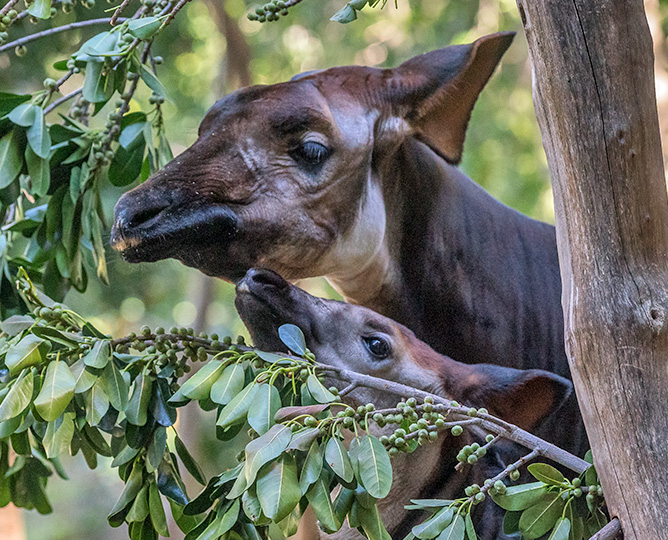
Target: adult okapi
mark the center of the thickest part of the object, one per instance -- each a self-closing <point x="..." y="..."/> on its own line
<point x="349" y="173"/>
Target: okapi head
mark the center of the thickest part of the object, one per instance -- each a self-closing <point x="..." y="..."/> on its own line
<point x="288" y="176"/>
<point x="359" y="339"/>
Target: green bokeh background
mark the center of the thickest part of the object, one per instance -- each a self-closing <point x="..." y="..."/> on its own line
<point x="502" y="152"/>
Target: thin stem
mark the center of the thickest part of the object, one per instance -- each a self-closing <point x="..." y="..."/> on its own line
<point x="5" y="9"/>
<point x="118" y="11"/>
<point x="178" y="7"/>
<point x="492" y="424"/>
<point x="62" y="100"/>
<point x="56" y="30"/>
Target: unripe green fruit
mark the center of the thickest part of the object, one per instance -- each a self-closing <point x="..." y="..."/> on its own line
<point x="489" y="438"/>
<point x="472" y="459"/>
<point x="515" y="475"/>
<point x="480" y="497"/>
<point x="456" y="430"/>
<point x="576" y="482"/>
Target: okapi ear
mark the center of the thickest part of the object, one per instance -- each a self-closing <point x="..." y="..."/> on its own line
<point x="436" y="91"/>
<point x="521" y="397"/>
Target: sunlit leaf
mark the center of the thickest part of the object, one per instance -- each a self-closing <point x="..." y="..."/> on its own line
<point x="18" y="398"/>
<point x="199" y="385"/>
<point x="144" y="27"/>
<point x="137" y="409"/>
<point x="266" y="448"/>
<point x="57" y="391"/>
<point x="266" y="403"/>
<point x="38" y="136"/>
<point x="373" y="466"/>
<point x="11" y="158"/>
<point x="546" y="474"/>
<point x="520" y="497"/>
<point x="278" y="488"/>
<point x="337" y="458"/>
<point x="59" y="435"/>
<point x="24" y="115"/>
<point x="228" y="385"/>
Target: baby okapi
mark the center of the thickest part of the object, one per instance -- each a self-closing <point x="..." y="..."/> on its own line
<point x="349" y="173"/>
<point x="359" y="339"/>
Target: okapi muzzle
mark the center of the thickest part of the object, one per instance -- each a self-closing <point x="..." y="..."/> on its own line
<point x="357" y="338"/>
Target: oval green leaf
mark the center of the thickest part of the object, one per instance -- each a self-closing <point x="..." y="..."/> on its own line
<point x="57" y="391"/>
<point x="228" y="385"/>
<point x="374" y="468"/>
<point x="520" y="497"/>
<point x="546" y="474"/>
<point x="199" y="385"/>
<point x="266" y="403"/>
<point x="293" y="338"/>
<point x="542" y="516"/>
<point x="337" y="458"/>
<point x="18" y="398"/>
<point x="265" y="448"/>
<point x="30" y="351"/>
<point x="278" y="488"/>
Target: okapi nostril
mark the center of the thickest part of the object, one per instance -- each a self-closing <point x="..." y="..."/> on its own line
<point x="268" y="277"/>
<point x="143" y="216"/>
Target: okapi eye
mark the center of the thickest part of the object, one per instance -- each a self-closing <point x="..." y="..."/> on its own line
<point x="377" y="346"/>
<point x="310" y="154"/>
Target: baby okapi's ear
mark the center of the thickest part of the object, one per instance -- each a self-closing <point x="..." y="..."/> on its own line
<point x="435" y="92"/>
<point x="521" y="397"/>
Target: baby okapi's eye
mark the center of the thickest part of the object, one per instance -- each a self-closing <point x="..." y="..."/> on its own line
<point x="377" y="346"/>
<point x="310" y="155"/>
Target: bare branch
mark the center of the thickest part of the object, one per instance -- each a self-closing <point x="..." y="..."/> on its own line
<point x="62" y="100"/>
<point x="119" y="9"/>
<point x="612" y="531"/>
<point x="5" y="9"/>
<point x="56" y="30"/>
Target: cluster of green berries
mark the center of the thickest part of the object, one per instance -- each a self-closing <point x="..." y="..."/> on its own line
<point x="474" y="491"/>
<point x="471" y="453"/>
<point x="269" y="12"/>
<point x="53" y="316"/>
<point x="154" y="7"/>
<point x="5" y="23"/>
<point x="575" y="491"/>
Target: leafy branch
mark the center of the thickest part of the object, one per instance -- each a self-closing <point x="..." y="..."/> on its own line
<point x="65" y="387"/>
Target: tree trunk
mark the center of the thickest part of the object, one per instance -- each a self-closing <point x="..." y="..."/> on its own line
<point x="594" y="97"/>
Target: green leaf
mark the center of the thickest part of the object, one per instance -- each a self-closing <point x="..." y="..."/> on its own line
<point x="511" y="522"/>
<point x="188" y="461"/>
<point x="546" y="474"/>
<point x="9" y="102"/>
<point x="144" y="28"/>
<point x="59" y="435"/>
<point x="265" y="448"/>
<point x="39" y="171"/>
<point x="18" y="398"/>
<point x="126" y="165"/>
<point x="152" y="82"/>
<point x="11" y="160"/>
<point x="97" y="87"/>
<point x="434" y="525"/>
<point x="16" y="324"/>
<point x="133" y="485"/>
<point x="24" y="115"/>
<point x="115" y="386"/>
<point x="236" y="410"/>
<point x="136" y="411"/>
<point x="312" y="467"/>
<point x="266" y="403"/>
<point x="157" y="511"/>
<point x="454" y="531"/>
<point x="319" y="498"/>
<point x="139" y="510"/>
<point x="229" y="518"/>
<point x="57" y="391"/>
<point x="561" y="530"/>
<point x="99" y="356"/>
<point x="470" y="529"/>
<point x="198" y="387"/>
<point x="156" y="449"/>
<point x="318" y="391"/>
<point x="375" y="470"/>
<point x="337" y="458"/>
<point x="346" y="14"/>
<point x="302" y="439"/>
<point x="293" y="337"/>
<point x="40" y="9"/>
<point x="96" y="403"/>
<point x="542" y="516"/>
<point x="228" y="385"/>
<point x="372" y="524"/>
<point x="520" y="497"/>
<point x="278" y="488"/>
<point x="38" y="136"/>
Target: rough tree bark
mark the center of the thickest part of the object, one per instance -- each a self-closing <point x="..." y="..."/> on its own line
<point x="594" y="97"/>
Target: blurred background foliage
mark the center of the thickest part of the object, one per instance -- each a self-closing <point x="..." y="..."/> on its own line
<point x="211" y="49"/>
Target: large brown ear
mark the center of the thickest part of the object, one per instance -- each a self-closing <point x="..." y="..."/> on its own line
<point x="435" y="92"/>
<point x="521" y="397"/>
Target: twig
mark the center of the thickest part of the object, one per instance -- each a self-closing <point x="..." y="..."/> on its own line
<point x="118" y="11"/>
<point x="56" y="30"/>
<point x="488" y="422"/>
<point x="62" y="100"/>
<point x="612" y="531"/>
<point x="510" y="468"/>
<point x="178" y="7"/>
<point x="5" y="9"/>
<point x="347" y="390"/>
